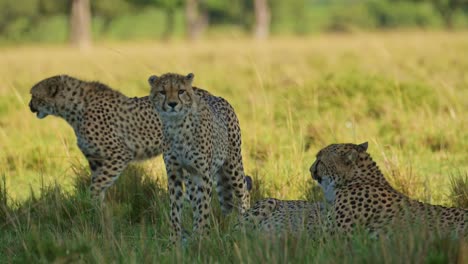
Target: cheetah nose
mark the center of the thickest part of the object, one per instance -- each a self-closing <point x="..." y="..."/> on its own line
<point x="172" y="104"/>
<point x="34" y="110"/>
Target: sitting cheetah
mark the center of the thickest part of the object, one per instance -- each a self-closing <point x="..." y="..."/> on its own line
<point x="111" y="129"/>
<point x="364" y="198"/>
<point x="272" y="215"/>
<point x="202" y="139"/>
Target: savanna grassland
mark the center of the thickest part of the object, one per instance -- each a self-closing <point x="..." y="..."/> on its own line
<point x="405" y="93"/>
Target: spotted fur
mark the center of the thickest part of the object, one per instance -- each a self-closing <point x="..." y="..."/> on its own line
<point x="364" y="198"/>
<point x="274" y="216"/>
<point x="202" y="141"/>
<point x="111" y="129"/>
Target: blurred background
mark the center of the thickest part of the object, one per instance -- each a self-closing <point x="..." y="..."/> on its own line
<point x="80" y="21"/>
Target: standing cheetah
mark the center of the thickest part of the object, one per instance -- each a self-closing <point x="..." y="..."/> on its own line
<point x="363" y="197"/>
<point x="202" y="139"/>
<point x="111" y="129"/>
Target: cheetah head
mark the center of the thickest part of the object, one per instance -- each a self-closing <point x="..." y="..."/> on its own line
<point x="43" y="96"/>
<point x="335" y="164"/>
<point x="172" y="94"/>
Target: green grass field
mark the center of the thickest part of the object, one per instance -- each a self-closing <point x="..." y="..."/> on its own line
<point x="406" y="93"/>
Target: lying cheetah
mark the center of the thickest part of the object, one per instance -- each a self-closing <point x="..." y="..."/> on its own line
<point x="364" y="198"/>
<point x="272" y="216"/>
<point x="202" y="138"/>
<point x="111" y="129"/>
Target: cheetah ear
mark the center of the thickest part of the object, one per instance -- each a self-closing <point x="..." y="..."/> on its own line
<point x="189" y="77"/>
<point x="53" y="89"/>
<point x="362" y="147"/>
<point x="351" y="157"/>
<point x="152" y="79"/>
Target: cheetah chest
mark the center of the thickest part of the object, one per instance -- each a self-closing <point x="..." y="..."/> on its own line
<point x="196" y="151"/>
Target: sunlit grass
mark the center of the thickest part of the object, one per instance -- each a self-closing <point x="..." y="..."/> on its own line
<point x="60" y="227"/>
<point x="405" y="93"/>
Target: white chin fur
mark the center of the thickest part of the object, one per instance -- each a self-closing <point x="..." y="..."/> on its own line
<point x="41" y="115"/>
<point x="170" y="114"/>
<point x="328" y="187"/>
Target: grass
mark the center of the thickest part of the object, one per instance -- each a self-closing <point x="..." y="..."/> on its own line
<point x="403" y="92"/>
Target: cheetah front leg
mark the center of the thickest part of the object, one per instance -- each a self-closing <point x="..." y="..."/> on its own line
<point x="225" y="192"/>
<point x="104" y="172"/>
<point x="234" y="182"/>
<point x="200" y="189"/>
<point x="176" y="196"/>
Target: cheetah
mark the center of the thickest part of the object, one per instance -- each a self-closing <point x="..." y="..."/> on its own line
<point x="364" y="198"/>
<point x="111" y="129"/>
<point x="202" y="144"/>
<point x="273" y="216"/>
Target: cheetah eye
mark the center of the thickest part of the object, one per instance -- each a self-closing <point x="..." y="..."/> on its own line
<point x="181" y="91"/>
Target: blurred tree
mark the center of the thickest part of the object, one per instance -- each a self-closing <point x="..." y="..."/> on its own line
<point x="169" y="6"/>
<point x="290" y="16"/>
<point x="447" y="9"/>
<point x="53" y="20"/>
<point x="109" y="10"/>
<point x="11" y="11"/>
<point x="52" y="7"/>
<point x="237" y="12"/>
<point x="80" y="24"/>
<point x="262" y="19"/>
<point x="196" y="19"/>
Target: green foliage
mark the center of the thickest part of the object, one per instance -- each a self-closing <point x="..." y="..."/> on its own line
<point x="57" y="24"/>
<point x="349" y="17"/>
<point x="448" y="9"/>
<point x="25" y="20"/>
<point x="377" y="14"/>
<point x="148" y="23"/>
<point x="109" y="10"/>
<point x="53" y="7"/>
<point x="289" y="17"/>
<point x="236" y="12"/>
<point x="403" y="14"/>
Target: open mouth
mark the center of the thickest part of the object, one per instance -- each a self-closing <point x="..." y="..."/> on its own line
<point x="166" y="110"/>
<point x="40" y="115"/>
<point x="170" y="113"/>
<point x="317" y="178"/>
